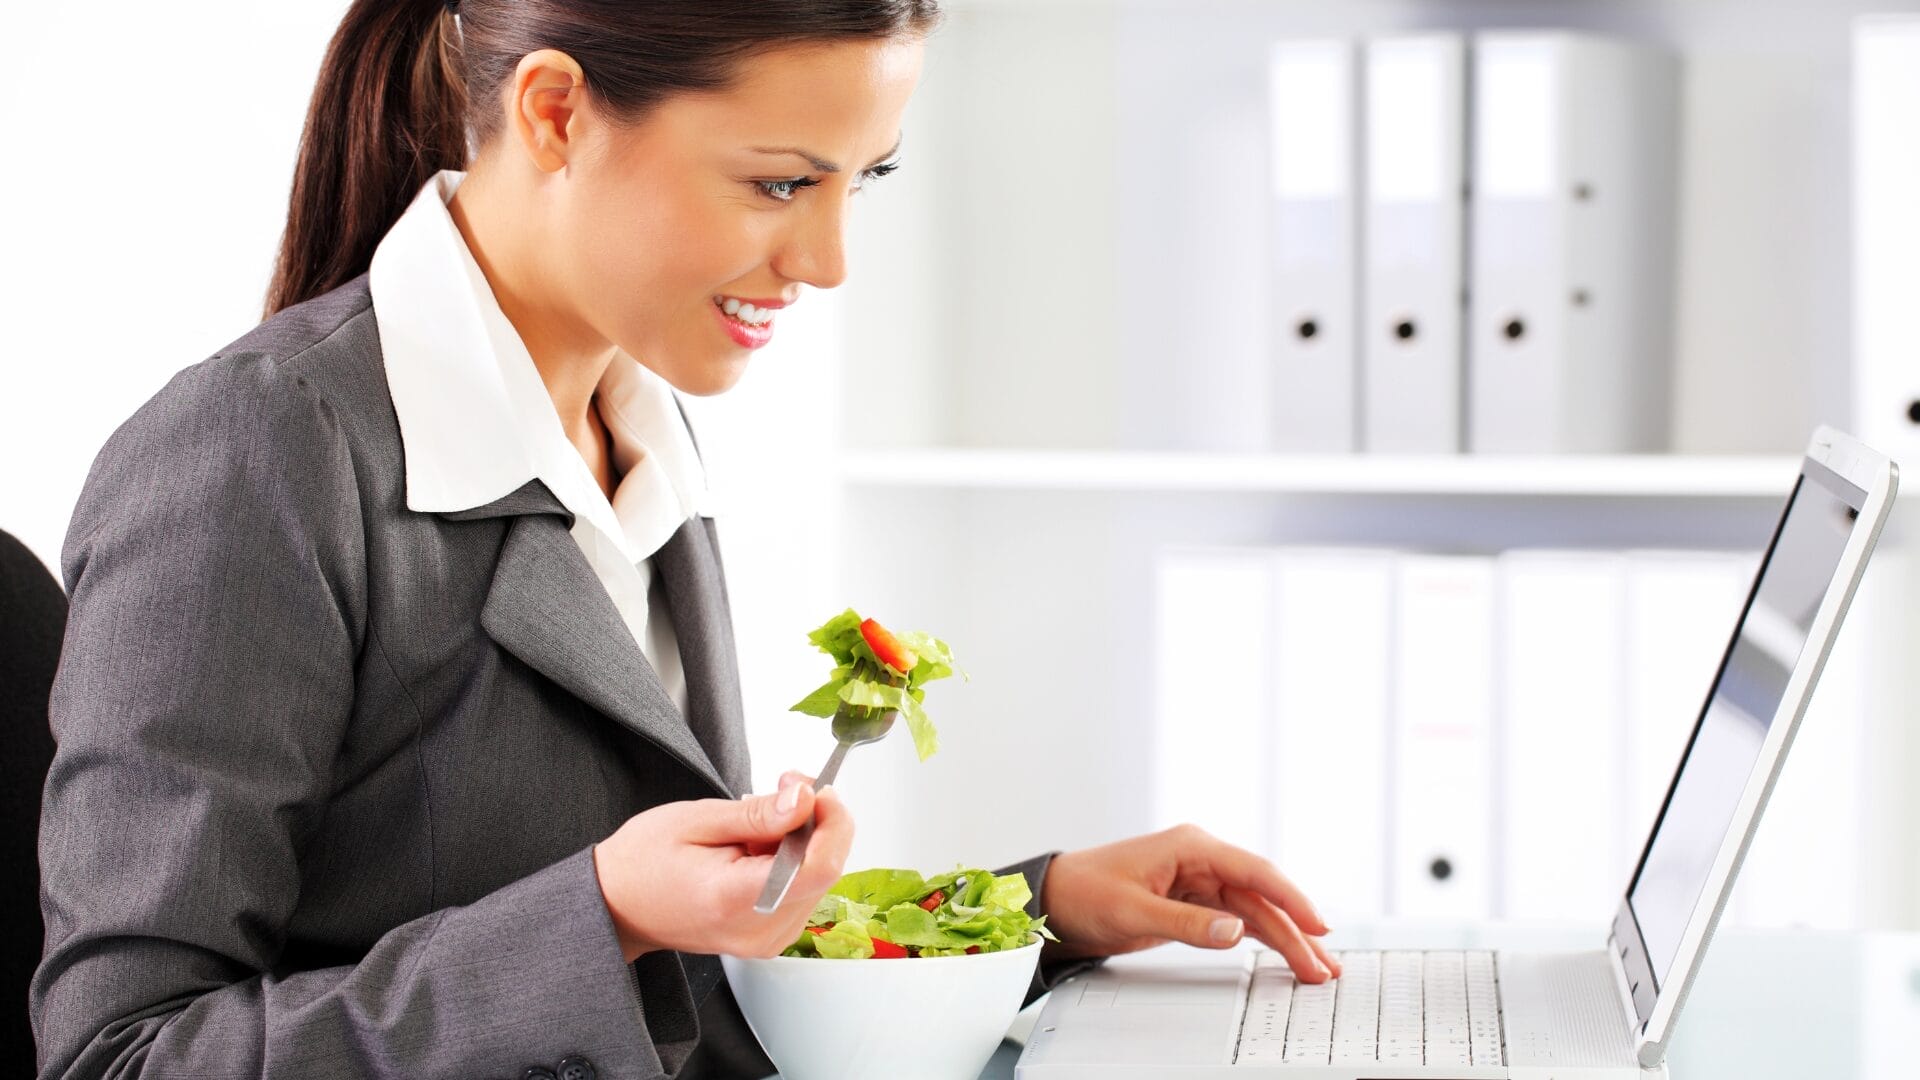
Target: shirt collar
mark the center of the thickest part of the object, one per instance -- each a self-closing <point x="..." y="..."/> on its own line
<point x="461" y="376"/>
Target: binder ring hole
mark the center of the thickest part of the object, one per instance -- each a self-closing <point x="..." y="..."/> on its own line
<point x="1441" y="869"/>
<point x="1308" y="329"/>
<point x="1404" y="330"/>
<point x="1913" y="411"/>
<point x="1514" y="330"/>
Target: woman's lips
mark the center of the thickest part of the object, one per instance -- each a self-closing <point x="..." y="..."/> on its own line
<point x="746" y="335"/>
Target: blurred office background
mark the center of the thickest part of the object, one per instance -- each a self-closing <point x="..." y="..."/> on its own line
<point x="1042" y="421"/>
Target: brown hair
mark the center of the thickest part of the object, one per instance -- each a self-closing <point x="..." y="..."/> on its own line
<point x="390" y="107"/>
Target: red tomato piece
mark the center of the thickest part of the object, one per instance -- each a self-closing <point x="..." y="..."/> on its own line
<point x="934" y="900"/>
<point x="887" y="950"/>
<point x="887" y="647"/>
<point x="971" y="949"/>
<point x="818" y="929"/>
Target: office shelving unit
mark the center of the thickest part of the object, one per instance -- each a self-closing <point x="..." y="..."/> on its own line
<point x="1047" y="341"/>
<point x="1731" y="477"/>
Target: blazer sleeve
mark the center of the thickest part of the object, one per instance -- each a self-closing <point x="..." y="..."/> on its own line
<point x="1050" y="971"/>
<point x="216" y="568"/>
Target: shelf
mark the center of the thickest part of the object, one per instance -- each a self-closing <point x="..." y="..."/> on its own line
<point x="1624" y="476"/>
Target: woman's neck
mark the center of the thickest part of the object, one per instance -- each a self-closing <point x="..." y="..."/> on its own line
<point x="571" y="363"/>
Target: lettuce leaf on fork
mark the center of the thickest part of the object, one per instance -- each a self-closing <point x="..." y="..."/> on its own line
<point x="841" y="639"/>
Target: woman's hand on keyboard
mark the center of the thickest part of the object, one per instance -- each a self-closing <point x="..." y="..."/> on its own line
<point x="1180" y="884"/>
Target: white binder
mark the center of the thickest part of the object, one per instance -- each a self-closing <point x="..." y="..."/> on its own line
<point x="1571" y="249"/>
<point x="1886" y="234"/>
<point x="1412" y="300"/>
<point x="1560" y="721"/>
<point x="1333" y="625"/>
<point x="1212" y="617"/>
<point x="1312" y="91"/>
<point x="1442" y="747"/>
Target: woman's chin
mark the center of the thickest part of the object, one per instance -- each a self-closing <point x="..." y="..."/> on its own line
<point x="720" y="377"/>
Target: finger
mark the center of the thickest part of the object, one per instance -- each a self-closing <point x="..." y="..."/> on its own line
<point x="754" y="818"/>
<point x="820" y="867"/>
<point x="772" y="844"/>
<point x="793" y="776"/>
<point x="1243" y="869"/>
<point x="827" y="849"/>
<point x="1326" y="957"/>
<point x="1277" y="929"/>
<point x="1149" y="915"/>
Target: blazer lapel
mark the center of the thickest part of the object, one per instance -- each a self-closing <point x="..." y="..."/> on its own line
<point x="688" y="567"/>
<point x="546" y="607"/>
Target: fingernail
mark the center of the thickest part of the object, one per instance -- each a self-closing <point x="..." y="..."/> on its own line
<point x="1322" y="969"/>
<point x="789" y="796"/>
<point x="1225" y="930"/>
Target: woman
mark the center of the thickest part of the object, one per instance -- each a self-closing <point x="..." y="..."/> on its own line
<point x="399" y="732"/>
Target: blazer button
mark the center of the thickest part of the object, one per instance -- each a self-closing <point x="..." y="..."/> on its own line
<point x="577" y="1068"/>
<point x="536" y="1072"/>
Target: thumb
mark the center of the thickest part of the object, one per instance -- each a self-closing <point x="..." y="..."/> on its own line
<point x="1194" y="924"/>
<point x="756" y="817"/>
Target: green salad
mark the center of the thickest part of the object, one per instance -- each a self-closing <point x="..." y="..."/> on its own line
<point x="894" y="914"/>
<point x="877" y="669"/>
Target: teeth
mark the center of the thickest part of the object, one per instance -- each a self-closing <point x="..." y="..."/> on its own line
<point x="746" y="312"/>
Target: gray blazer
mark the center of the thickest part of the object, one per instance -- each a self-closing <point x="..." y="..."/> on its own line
<point x="329" y="770"/>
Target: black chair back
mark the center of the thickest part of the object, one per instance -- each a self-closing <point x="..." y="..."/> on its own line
<point x="33" y="615"/>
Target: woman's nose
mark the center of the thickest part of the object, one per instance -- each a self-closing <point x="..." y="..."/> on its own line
<point x="816" y="252"/>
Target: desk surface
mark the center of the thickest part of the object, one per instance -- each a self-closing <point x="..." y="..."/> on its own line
<point x="1768" y="1005"/>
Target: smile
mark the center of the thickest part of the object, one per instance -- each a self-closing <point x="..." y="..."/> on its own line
<point x="748" y="335"/>
<point x="744" y="311"/>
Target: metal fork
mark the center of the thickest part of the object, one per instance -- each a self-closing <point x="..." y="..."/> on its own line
<point x="853" y="725"/>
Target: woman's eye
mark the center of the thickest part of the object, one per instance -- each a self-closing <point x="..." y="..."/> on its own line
<point x="783" y="189"/>
<point x="876" y="173"/>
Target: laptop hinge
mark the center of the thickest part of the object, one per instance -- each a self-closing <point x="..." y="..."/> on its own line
<point x="1618" y="965"/>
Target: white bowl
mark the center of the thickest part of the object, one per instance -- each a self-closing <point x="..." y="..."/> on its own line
<point x="927" y="1017"/>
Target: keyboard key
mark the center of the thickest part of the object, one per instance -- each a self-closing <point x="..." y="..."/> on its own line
<point x="1483" y="1011"/>
<point x="1401" y="1007"/>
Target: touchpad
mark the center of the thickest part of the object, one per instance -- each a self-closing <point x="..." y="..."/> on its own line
<point x="1180" y="986"/>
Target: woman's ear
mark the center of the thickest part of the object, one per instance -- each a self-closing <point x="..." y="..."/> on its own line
<point x="547" y="108"/>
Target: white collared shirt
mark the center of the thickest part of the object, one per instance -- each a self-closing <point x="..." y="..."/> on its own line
<point x="476" y="422"/>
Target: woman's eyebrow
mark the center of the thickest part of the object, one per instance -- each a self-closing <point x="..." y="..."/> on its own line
<point x="819" y="163"/>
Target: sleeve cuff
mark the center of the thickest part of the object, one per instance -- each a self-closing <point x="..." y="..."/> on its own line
<point x="551" y="934"/>
<point x="1050" y="972"/>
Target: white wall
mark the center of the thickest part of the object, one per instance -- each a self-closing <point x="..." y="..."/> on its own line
<point x="145" y="190"/>
<point x="151" y="150"/>
<point x="141" y="207"/>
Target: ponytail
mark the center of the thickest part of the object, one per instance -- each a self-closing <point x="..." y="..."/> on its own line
<point x="388" y="112"/>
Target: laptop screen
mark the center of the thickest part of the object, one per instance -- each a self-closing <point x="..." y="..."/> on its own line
<point x="1726" y="742"/>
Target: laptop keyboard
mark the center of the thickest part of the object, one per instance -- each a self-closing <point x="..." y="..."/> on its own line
<point x="1408" y="1007"/>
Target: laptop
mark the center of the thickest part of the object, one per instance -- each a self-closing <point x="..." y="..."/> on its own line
<point x="1598" y="1014"/>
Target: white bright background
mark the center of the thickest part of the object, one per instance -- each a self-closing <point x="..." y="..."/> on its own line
<point x="144" y="199"/>
<point x="145" y="190"/>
